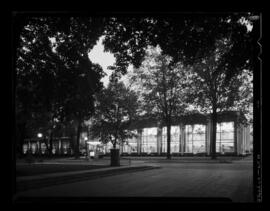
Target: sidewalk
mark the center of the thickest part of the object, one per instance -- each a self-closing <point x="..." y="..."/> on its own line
<point x="49" y="179"/>
<point x="232" y="181"/>
<point x="188" y="159"/>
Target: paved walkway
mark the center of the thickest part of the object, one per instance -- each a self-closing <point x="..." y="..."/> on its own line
<point x="71" y="173"/>
<point x="230" y="180"/>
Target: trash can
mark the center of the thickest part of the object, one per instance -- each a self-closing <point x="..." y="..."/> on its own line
<point x="115" y="157"/>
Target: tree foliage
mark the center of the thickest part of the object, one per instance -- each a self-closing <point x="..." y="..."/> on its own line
<point x="213" y="92"/>
<point x="54" y="75"/>
<point x="185" y="37"/>
<point x="116" y="108"/>
<point x="212" y="88"/>
<point x="163" y="88"/>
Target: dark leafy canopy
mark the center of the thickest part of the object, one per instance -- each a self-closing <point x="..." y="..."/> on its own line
<point x="116" y="108"/>
<point x="210" y="88"/>
<point x="184" y="37"/>
<point x="54" y="74"/>
<point x="162" y="88"/>
<point x="213" y="92"/>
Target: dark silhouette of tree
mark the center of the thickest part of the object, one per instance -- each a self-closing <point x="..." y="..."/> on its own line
<point x="53" y="73"/>
<point x="213" y="92"/>
<point x="79" y="100"/>
<point x="115" y="109"/>
<point x="162" y="89"/>
<point x="50" y="52"/>
<point x="187" y="38"/>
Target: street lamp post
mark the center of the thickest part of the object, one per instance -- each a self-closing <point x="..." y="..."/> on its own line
<point x="86" y="148"/>
<point x="39" y="135"/>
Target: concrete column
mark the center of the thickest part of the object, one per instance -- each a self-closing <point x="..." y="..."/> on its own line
<point x="87" y="150"/>
<point x="235" y="137"/>
<point x="239" y="139"/>
<point x="208" y="136"/>
<point x="182" y="138"/>
<point x="159" y="139"/>
<point x="29" y="147"/>
<point x="139" y="141"/>
<point x="242" y="140"/>
<point x="60" y="147"/>
<point x="248" y="138"/>
<point x="245" y="140"/>
<point x="179" y="139"/>
<point x="39" y="147"/>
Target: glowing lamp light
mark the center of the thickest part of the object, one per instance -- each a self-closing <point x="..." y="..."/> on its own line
<point x="85" y="138"/>
<point x="39" y="135"/>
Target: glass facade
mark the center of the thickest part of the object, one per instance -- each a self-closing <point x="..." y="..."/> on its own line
<point x="175" y="139"/>
<point x="131" y="146"/>
<point x="108" y="147"/>
<point x="58" y="148"/>
<point x="149" y="140"/>
<point x="55" y="147"/>
<point x="34" y="148"/>
<point x="225" y="137"/>
<point x="65" y="147"/>
<point x="43" y="148"/>
<point x="25" y="148"/>
<point x="195" y="139"/>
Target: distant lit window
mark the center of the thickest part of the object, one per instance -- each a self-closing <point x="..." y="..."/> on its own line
<point x="225" y="137"/>
<point x="175" y="137"/>
<point x="43" y="148"/>
<point x="195" y="139"/>
<point x="149" y="140"/>
<point x="25" y="148"/>
<point x="33" y="148"/>
<point x="131" y="144"/>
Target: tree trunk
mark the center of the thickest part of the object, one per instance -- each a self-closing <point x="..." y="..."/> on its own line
<point x="114" y="144"/>
<point x="213" y="134"/>
<point x="168" y="139"/>
<point x="77" y="144"/>
<point x="51" y="144"/>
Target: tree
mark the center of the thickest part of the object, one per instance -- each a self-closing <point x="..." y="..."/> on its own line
<point x="116" y="108"/>
<point x="187" y="38"/>
<point x="213" y="92"/>
<point x="79" y="101"/>
<point x="53" y="72"/>
<point x="162" y="89"/>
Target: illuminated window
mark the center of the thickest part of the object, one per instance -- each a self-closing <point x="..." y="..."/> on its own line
<point x="175" y="136"/>
<point x="108" y="147"/>
<point x="149" y="140"/>
<point x="34" y="148"/>
<point x="225" y="137"/>
<point x="55" y="147"/>
<point x="25" y="148"/>
<point x="65" y="147"/>
<point x="43" y="148"/>
<point x="131" y="145"/>
<point x="195" y="139"/>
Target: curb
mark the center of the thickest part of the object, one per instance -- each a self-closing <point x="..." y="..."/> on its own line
<point x="28" y="184"/>
<point x="189" y="161"/>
